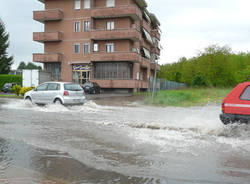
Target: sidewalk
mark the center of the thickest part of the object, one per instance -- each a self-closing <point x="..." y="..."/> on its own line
<point x="106" y="95"/>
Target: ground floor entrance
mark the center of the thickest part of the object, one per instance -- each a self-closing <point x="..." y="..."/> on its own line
<point x="81" y="73"/>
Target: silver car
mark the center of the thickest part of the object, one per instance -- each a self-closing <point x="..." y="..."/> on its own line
<point x="56" y="92"/>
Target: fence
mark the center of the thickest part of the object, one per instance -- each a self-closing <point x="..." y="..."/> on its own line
<point x="163" y="84"/>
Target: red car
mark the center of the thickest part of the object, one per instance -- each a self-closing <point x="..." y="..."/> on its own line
<point x="236" y="106"/>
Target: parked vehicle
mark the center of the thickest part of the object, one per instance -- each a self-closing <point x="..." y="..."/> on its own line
<point x="91" y="87"/>
<point x="7" y="87"/>
<point x="33" y="78"/>
<point x="236" y="106"/>
<point x="58" y="93"/>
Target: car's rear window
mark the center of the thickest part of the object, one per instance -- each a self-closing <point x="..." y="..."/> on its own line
<point x="72" y="87"/>
<point x="246" y="94"/>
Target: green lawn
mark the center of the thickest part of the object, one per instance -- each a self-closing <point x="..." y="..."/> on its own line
<point x="187" y="97"/>
<point x="11" y="96"/>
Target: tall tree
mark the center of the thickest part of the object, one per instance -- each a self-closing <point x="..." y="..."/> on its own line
<point x="5" y="61"/>
<point x="29" y="66"/>
<point x="22" y="66"/>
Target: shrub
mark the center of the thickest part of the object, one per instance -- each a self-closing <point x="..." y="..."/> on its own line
<point x="25" y="90"/>
<point x="10" y="79"/>
<point x="16" y="89"/>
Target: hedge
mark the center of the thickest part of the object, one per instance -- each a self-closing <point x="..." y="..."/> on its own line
<point x="10" y="79"/>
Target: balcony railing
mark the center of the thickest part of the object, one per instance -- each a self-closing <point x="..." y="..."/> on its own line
<point x="155" y="50"/>
<point x="47" y="36"/>
<point x="155" y="33"/>
<point x="121" y="11"/>
<point x="47" y="57"/>
<point x="100" y="34"/>
<point x="145" y="62"/>
<point x="153" y="65"/>
<point x="48" y="15"/>
<point x="115" y="56"/>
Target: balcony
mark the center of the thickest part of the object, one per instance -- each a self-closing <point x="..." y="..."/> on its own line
<point x="48" y="15"/>
<point x="47" y="57"/>
<point x="153" y="65"/>
<point x="144" y="62"/>
<point x="47" y="37"/>
<point x="131" y="11"/>
<point x="116" y="34"/>
<point x="155" y="50"/>
<point x="155" y="33"/>
<point x="122" y="84"/>
<point x="115" y="56"/>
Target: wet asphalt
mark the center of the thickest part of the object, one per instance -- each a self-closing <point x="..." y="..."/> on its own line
<point x="119" y="140"/>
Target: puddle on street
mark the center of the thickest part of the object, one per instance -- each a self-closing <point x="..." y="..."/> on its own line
<point x="120" y="144"/>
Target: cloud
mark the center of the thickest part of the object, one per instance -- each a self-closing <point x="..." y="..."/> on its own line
<point x="187" y="26"/>
<point x="191" y="25"/>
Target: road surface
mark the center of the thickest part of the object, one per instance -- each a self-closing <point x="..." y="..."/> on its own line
<point x="120" y="144"/>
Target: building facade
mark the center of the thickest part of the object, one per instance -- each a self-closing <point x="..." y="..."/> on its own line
<point x="115" y="43"/>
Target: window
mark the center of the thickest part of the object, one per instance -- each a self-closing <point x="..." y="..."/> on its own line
<point x="86" y="4"/>
<point x="110" y="25"/>
<point x="77" y="4"/>
<point x="246" y="94"/>
<point x="42" y="87"/>
<point x="54" y="69"/>
<point x="86" y="25"/>
<point x="113" y="70"/>
<point x="110" y="3"/>
<point x="86" y="48"/>
<point x="77" y="48"/>
<point x="77" y="26"/>
<point x="110" y="47"/>
<point x="96" y="47"/>
<point x="72" y="87"/>
<point x="53" y="87"/>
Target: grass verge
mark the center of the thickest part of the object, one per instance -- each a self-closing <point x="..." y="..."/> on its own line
<point x="11" y="96"/>
<point x="187" y="97"/>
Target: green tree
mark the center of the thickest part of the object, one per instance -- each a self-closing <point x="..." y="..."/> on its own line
<point x="22" y="66"/>
<point x="5" y="61"/>
<point x="29" y="66"/>
<point x="215" y="66"/>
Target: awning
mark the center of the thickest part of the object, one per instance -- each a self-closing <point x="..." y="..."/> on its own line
<point x="147" y="16"/>
<point x="148" y="37"/>
<point x="147" y="53"/>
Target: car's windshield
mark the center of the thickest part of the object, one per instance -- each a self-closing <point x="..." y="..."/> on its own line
<point x="72" y="87"/>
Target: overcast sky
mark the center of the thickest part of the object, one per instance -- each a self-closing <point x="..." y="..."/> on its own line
<point x="187" y="26"/>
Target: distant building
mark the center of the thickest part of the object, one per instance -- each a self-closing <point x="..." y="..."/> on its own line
<point x="115" y="43"/>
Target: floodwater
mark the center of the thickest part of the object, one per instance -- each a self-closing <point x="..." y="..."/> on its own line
<point x="132" y="144"/>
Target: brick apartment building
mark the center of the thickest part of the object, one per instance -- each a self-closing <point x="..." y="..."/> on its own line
<point x="115" y="43"/>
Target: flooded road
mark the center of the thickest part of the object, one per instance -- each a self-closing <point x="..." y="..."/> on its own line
<point x="120" y="144"/>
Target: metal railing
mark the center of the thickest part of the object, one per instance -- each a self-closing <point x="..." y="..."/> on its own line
<point x="163" y="84"/>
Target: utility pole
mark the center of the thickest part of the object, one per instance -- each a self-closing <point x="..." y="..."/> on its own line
<point x="154" y="82"/>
